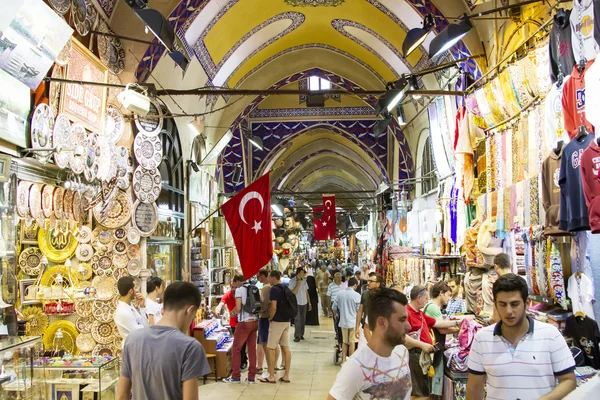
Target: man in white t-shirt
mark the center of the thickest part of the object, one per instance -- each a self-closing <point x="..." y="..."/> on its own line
<point x="380" y="369"/>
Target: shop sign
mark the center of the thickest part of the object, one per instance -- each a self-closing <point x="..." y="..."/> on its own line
<point x="84" y="103"/>
<point x="362" y="235"/>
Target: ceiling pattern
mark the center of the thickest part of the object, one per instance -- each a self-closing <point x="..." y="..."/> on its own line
<point x="108" y="6"/>
<point x="310" y="112"/>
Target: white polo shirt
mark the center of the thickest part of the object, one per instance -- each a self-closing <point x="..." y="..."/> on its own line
<point x="527" y="371"/>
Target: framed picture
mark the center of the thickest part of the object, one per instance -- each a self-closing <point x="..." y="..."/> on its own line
<point x="29" y="234"/>
<point x="25" y="296"/>
<point x="64" y="392"/>
<point x="4" y="168"/>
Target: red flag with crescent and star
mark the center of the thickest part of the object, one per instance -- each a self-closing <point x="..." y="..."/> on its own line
<point x="248" y="215"/>
<point x="325" y="227"/>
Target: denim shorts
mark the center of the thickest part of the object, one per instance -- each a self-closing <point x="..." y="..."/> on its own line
<point x="263" y="330"/>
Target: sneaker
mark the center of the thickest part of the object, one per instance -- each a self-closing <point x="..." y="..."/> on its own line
<point x="231" y="380"/>
<point x="297" y="339"/>
<point x="301" y="337"/>
<point x="250" y="381"/>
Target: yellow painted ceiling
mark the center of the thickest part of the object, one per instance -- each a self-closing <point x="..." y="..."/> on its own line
<point x="291" y="101"/>
<point x="317" y="28"/>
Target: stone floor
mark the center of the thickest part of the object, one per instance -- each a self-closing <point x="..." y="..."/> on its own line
<point x="312" y="374"/>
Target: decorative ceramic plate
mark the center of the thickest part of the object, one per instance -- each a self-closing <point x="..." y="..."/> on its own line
<point x="23" y="198"/>
<point x="103" y="311"/>
<point x="30" y="261"/>
<point x="84" y="235"/>
<point x="151" y="124"/>
<point x="111" y="51"/>
<point x="118" y="273"/>
<point x="120" y="233"/>
<point x="77" y="208"/>
<point x="55" y="91"/>
<point x="85" y="17"/>
<point x="64" y="56"/>
<point x="90" y="170"/>
<point x="84" y="324"/>
<point x="133" y="236"/>
<point x="35" y="201"/>
<point x="69" y="337"/>
<point x="105" y="286"/>
<point x="83" y="308"/>
<point x="49" y="277"/>
<point x="85" y="342"/>
<point x="102" y="239"/>
<point x="47" y="200"/>
<point x="104" y="350"/>
<point x="148" y="151"/>
<point x="145" y="217"/>
<point x="103" y="332"/>
<point x="62" y="139"/>
<point x="134" y="267"/>
<point x="113" y="92"/>
<point x="133" y="251"/>
<point x="61" y="6"/>
<point x="114" y="124"/>
<point x="68" y="205"/>
<point x="104" y="160"/>
<point x="118" y="212"/>
<point x="124" y="167"/>
<point x="120" y="260"/>
<point x="59" y="197"/>
<point x="42" y="125"/>
<point x="57" y="247"/>
<point x="147" y="184"/>
<point x="79" y="137"/>
<point x="87" y="274"/>
<point x="84" y="252"/>
<point x="120" y="247"/>
<point x="37" y="321"/>
<point x="104" y="262"/>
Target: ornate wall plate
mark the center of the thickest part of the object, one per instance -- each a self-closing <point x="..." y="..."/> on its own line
<point x="42" y="125"/>
<point x="84" y="324"/>
<point x="29" y="233"/>
<point x="103" y="311"/>
<point x="111" y="51"/>
<point x="114" y="124"/>
<point x="148" y="151"/>
<point x="120" y="233"/>
<point x="90" y="169"/>
<point x="47" y="200"/>
<point x="35" y="201"/>
<point x="77" y="207"/>
<point x="104" y="160"/>
<point x="59" y="197"/>
<point x="134" y="267"/>
<point x="124" y="167"/>
<point x="30" y="261"/>
<point x="69" y="336"/>
<point x="79" y="137"/>
<point x="55" y="90"/>
<point x="150" y="126"/>
<point x="133" y="251"/>
<point x="62" y="138"/>
<point x="67" y="274"/>
<point x="133" y="236"/>
<point x="37" y="321"/>
<point x="83" y="308"/>
<point x="84" y="275"/>
<point x="85" y="342"/>
<point x="68" y="205"/>
<point x="104" y="350"/>
<point x="120" y="247"/>
<point x="118" y="273"/>
<point x="84" y="252"/>
<point x="103" y="332"/>
<point x="120" y="260"/>
<point x="118" y="214"/>
<point x="61" y="6"/>
<point x="147" y="184"/>
<point x="85" y="16"/>
<point x="103" y="239"/>
<point x="84" y="235"/>
<point x="145" y="218"/>
<point x="23" y="198"/>
<point x="56" y="247"/>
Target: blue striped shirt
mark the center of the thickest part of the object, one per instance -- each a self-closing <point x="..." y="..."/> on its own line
<point x="332" y="292"/>
<point x="527" y="371"/>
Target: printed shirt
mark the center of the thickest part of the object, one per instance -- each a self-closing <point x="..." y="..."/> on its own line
<point x="367" y="375"/>
<point x="332" y="292"/>
<point x="527" y="371"/>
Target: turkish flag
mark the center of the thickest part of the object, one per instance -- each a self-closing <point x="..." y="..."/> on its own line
<point x="325" y="227"/>
<point x="248" y="215"/>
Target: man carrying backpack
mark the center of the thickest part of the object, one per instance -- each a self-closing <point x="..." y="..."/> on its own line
<point x="247" y="307"/>
<point x="283" y="308"/>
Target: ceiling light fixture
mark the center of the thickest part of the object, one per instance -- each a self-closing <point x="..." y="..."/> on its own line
<point x="451" y="35"/>
<point x="416" y="36"/>
<point x="218" y="148"/>
<point x="381" y="126"/>
<point x="237" y="173"/>
<point x="255" y="141"/>
<point x="401" y="116"/>
<point x="277" y="210"/>
<point x="392" y="97"/>
<point x="414" y="85"/>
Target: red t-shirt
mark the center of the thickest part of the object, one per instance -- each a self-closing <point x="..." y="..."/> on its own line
<point x="229" y="300"/>
<point x="416" y="319"/>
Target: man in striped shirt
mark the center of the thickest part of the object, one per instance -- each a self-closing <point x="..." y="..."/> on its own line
<point x="519" y="358"/>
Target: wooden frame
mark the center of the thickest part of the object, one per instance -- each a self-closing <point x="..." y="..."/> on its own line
<point x="28" y="239"/>
<point x="24" y="284"/>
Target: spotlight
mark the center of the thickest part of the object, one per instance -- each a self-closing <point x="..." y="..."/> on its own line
<point x="218" y="148"/>
<point x="381" y="126"/>
<point x="237" y="173"/>
<point x="256" y="141"/>
<point x="392" y="97"/>
<point x="136" y="102"/>
<point x="414" y="85"/>
<point x="401" y="116"/>
<point x="451" y="35"/>
<point x="277" y="210"/>
<point x="194" y="166"/>
<point x="415" y="37"/>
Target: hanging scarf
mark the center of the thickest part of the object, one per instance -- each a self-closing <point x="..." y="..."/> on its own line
<point x="557" y="278"/>
<point x="526" y="239"/>
<point x="453" y="213"/>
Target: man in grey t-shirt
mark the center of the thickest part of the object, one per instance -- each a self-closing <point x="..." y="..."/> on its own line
<point x="160" y="361"/>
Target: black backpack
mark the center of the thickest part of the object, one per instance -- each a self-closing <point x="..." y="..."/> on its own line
<point x="288" y="306"/>
<point x="253" y="303"/>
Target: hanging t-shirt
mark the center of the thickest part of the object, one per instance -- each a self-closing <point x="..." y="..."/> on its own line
<point x="561" y="48"/>
<point x="590" y="172"/>
<point x="586" y="336"/>
<point x="592" y="102"/>
<point x="574" y="102"/>
<point x="554" y="120"/>
<point x="584" y="28"/>
<point x="573" y="209"/>
<point x="551" y="192"/>
<point x="367" y="375"/>
<point x="581" y="292"/>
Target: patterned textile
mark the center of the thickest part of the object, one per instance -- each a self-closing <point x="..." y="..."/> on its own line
<point x="542" y="60"/>
<point x="498" y="161"/>
<point x="497" y="115"/>
<point x="489" y="165"/>
<point x="484" y="107"/>
<point x="506" y="204"/>
<point x="518" y="74"/>
<point x="580" y="254"/>
<point x="535" y="149"/>
<point x="500" y="221"/>
<point x="526" y="203"/>
<point x="509" y="95"/>
<point x="528" y="266"/>
<point x="482" y="166"/>
<point x="518" y="172"/>
<point x="468" y="176"/>
<point x="513" y="206"/>
<point x="542" y="259"/>
<point x="557" y="278"/>
<point x="533" y="268"/>
<point x="496" y="87"/>
<point x="508" y="156"/>
<point x="520" y="204"/>
<point x="534" y="198"/>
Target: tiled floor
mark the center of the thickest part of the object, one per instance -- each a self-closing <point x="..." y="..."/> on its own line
<point x="312" y="374"/>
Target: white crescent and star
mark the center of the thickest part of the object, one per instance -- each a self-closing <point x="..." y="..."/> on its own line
<point x="328" y="201"/>
<point x="247" y="197"/>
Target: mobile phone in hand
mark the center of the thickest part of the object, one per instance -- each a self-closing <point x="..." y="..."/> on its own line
<point x="437" y="347"/>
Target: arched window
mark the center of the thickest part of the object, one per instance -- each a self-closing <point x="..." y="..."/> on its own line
<point x="429" y="180"/>
<point x="171" y="169"/>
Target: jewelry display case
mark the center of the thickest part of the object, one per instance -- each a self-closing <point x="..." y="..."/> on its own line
<point x="17" y="377"/>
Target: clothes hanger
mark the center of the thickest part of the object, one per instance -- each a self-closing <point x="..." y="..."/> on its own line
<point x="580" y="314"/>
<point x="581" y="133"/>
<point x="559" y="146"/>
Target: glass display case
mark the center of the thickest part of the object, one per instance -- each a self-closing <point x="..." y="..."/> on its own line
<point x="164" y="258"/>
<point x="17" y="380"/>
<point x="74" y="377"/>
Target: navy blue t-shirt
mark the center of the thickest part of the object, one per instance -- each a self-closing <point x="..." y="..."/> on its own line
<point x="276" y="294"/>
<point x="573" y="209"/>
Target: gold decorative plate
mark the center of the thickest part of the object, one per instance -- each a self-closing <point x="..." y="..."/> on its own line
<point x="83" y="308"/>
<point x="102" y="239"/>
<point x="57" y="248"/>
<point x="84" y="324"/>
<point x="103" y="311"/>
<point x="23" y="198"/>
<point x="145" y="217"/>
<point x="105" y="286"/>
<point x="49" y="277"/>
<point x="133" y="236"/>
<point x="30" y="261"/>
<point x="103" y="332"/>
<point x="68" y="342"/>
<point x="133" y="251"/>
<point x="85" y="342"/>
<point x="77" y="209"/>
<point x="134" y="267"/>
<point x="37" y="321"/>
<point x="59" y="196"/>
<point x="84" y="252"/>
<point x="104" y="350"/>
<point x="47" y="200"/>
<point x="118" y="273"/>
<point x="118" y="213"/>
